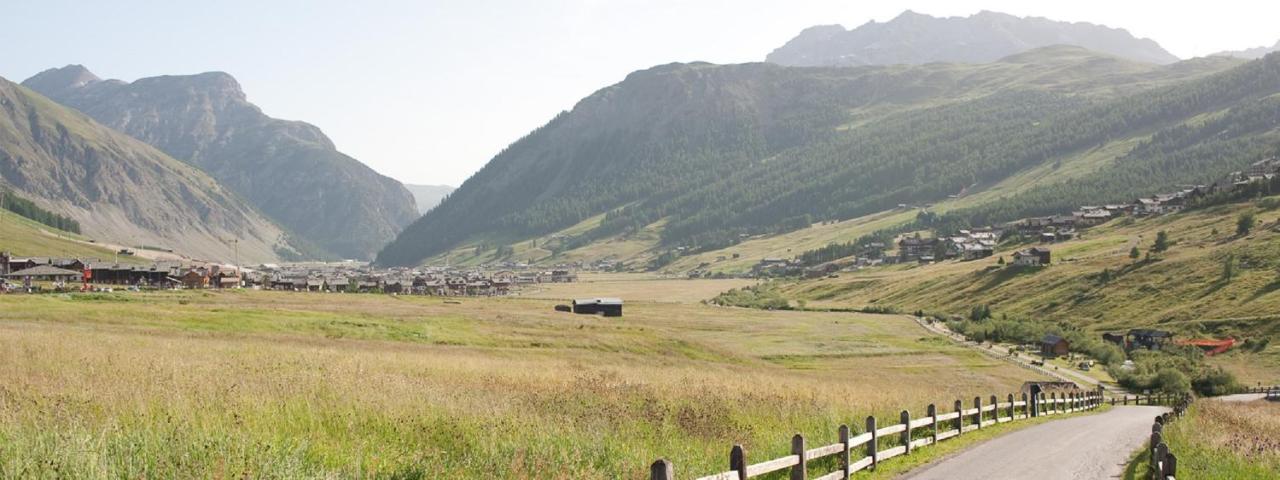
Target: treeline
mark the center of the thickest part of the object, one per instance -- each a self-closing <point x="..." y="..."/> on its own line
<point x="27" y="208"/>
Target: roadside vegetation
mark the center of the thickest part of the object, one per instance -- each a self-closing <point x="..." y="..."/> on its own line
<point x="1228" y="440"/>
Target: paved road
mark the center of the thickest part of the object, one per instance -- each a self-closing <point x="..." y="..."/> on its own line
<point x="1080" y="448"/>
<point x="1243" y="397"/>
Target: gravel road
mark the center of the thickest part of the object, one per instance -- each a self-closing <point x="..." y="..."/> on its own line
<point x="1080" y="448"/>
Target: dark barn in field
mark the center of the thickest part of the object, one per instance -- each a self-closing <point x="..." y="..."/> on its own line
<point x="609" y="307"/>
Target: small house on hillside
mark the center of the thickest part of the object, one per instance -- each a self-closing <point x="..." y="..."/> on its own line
<point x="609" y="307"/>
<point x="1054" y="346"/>
<point x="1032" y="257"/>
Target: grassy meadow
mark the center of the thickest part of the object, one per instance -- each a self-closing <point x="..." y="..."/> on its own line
<point x="288" y="385"/>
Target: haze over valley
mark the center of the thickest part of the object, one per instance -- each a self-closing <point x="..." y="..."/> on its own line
<point x="659" y="240"/>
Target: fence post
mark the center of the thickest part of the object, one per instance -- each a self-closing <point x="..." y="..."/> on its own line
<point x="737" y="461"/>
<point x="1026" y="407"/>
<point x="801" y="469"/>
<point x="872" y="446"/>
<point x="995" y="408"/>
<point x="1170" y="465"/>
<point x="933" y="413"/>
<point x="662" y="470"/>
<point x="977" y="416"/>
<point x="1011" y="407"/>
<point x="1158" y="456"/>
<point x="905" y="417"/>
<point x="959" y="420"/>
<point x="844" y="453"/>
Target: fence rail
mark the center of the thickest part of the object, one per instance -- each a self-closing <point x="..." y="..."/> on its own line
<point x="935" y="426"/>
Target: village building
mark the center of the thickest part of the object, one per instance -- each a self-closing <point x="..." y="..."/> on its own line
<point x="1032" y="257"/>
<point x="914" y="247"/>
<point x="46" y="273"/>
<point x="609" y="307"/>
<point x="1052" y="346"/>
<point x="1147" y="338"/>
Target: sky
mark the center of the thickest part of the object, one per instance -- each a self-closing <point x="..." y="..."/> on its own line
<point x="428" y="91"/>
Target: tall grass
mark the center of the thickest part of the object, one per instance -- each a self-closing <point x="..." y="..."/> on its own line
<point x="267" y="385"/>
<point x="1224" y="440"/>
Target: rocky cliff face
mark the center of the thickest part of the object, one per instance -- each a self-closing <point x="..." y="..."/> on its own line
<point x="289" y="170"/>
<point x="120" y="189"/>
<point x="913" y="38"/>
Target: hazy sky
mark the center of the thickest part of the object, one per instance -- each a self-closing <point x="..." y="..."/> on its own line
<point x="428" y="91"/>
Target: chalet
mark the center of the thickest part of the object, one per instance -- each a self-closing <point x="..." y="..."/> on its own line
<point x="609" y="307"/>
<point x="563" y="276"/>
<point x="1054" y="346"/>
<point x="1093" y="216"/>
<point x="1263" y="168"/>
<point x="1032" y="257"/>
<point x="338" y="283"/>
<point x="912" y="248"/>
<point x="1147" y="338"/>
<point x="46" y="273"/>
<point x="195" y="278"/>
<point x="315" y="285"/>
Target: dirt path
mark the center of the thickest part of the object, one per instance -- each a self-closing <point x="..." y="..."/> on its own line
<point x="1002" y="352"/>
<point x="1080" y="448"/>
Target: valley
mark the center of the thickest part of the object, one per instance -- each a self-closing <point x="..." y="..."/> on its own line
<point x="1022" y="236"/>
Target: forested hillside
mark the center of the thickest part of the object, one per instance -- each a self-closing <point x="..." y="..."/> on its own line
<point x="722" y="152"/>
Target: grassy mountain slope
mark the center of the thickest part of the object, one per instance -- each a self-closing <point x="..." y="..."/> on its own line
<point x="288" y="170"/>
<point x="1183" y="289"/>
<point x="120" y="189"/>
<point x="722" y="153"/>
<point x="26" y="238"/>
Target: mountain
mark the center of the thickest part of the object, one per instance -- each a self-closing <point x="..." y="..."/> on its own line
<point x="705" y="155"/>
<point x="1251" y="53"/>
<point x="428" y="196"/>
<point x="122" y="190"/>
<point x="912" y="38"/>
<point x="288" y="170"/>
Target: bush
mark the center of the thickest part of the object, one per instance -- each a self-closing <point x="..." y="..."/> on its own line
<point x="1172" y="381"/>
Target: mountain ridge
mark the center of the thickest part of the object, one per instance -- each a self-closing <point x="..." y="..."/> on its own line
<point x="120" y="188"/>
<point x="289" y="170"/>
<point x="914" y="38"/>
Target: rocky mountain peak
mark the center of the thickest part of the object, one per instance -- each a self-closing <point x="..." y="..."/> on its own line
<point x="62" y="79"/>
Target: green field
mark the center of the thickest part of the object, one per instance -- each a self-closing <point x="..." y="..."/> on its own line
<point x="287" y="385"/>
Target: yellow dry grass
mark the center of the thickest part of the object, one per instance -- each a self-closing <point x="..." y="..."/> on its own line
<point x="282" y="385"/>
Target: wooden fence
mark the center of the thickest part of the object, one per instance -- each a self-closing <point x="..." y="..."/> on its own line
<point x="1156" y="399"/>
<point x="936" y="427"/>
<point x="1164" y="464"/>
